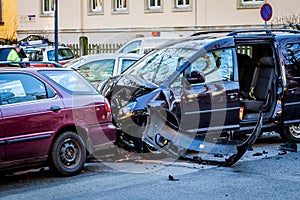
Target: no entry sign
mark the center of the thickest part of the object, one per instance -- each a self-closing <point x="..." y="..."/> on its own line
<point x="266" y="12"/>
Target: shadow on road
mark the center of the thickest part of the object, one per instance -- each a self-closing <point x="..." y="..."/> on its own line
<point x="117" y="155"/>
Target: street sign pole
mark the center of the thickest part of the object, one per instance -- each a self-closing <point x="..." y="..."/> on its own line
<point x="266" y="25"/>
<point x="56" y="31"/>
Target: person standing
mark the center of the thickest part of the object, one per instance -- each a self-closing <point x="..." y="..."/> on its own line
<point x="13" y="55"/>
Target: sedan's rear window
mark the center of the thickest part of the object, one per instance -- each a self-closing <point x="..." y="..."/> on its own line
<point x="70" y="80"/>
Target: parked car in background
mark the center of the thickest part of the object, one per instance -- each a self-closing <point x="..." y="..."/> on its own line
<point x="6" y="49"/>
<point x="195" y="97"/>
<point x="47" y="53"/>
<point x="26" y="64"/>
<point x="32" y="40"/>
<point x="99" y="67"/>
<point x="144" y="45"/>
<point x="7" y="64"/>
<point x="51" y="116"/>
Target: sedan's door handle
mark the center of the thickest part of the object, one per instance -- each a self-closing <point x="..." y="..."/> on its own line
<point x="55" y="108"/>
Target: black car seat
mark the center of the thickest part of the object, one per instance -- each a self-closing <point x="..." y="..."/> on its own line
<point x="261" y="86"/>
<point x="247" y="66"/>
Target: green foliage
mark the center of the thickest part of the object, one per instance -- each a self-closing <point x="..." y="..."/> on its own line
<point x="291" y="21"/>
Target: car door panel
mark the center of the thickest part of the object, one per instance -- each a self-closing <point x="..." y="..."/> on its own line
<point x="28" y="120"/>
<point x="211" y="106"/>
<point x="291" y="103"/>
<point x="214" y="104"/>
<point x="28" y="134"/>
<point x="289" y="54"/>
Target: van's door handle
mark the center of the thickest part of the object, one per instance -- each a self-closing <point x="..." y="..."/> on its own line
<point x="233" y="95"/>
<point x="55" y="108"/>
<point x="292" y="90"/>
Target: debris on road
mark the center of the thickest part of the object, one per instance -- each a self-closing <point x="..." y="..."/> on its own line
<point x="171" y="178"/>
<point x="292" y="147"/>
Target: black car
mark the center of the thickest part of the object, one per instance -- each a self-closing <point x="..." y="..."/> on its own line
<point x="199" y="93"/>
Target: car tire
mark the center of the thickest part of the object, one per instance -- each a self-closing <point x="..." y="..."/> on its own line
<point x="149" y="149"/>
<point x="291" y="133"/>
<point x="68" y="154"/>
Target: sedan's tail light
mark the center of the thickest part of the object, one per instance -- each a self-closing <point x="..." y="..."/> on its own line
<point x="104" y="112"/>
<point x="107" y="106"/>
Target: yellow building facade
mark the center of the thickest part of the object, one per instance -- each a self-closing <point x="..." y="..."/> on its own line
<point x="8" y="19"/>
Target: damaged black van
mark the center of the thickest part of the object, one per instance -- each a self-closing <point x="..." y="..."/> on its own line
<point x="193" y="97"/>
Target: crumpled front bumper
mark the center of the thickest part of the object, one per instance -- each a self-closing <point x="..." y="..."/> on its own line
<point x="219" y="151"/>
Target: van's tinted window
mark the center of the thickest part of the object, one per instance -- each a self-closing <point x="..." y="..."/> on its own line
<point x="215" y="65"/>
<point x="160" y="64"/>
<point x="292" y="58"/>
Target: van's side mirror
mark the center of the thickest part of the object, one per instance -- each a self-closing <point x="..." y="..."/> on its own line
<point x="196" y="77"/>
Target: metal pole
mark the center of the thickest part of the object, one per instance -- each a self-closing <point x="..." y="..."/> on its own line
<point x="196" y="15"/>
<point x="56" y="30"/>
<point x="265" y="26"/>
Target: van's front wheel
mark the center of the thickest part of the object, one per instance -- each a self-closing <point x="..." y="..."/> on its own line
<point x="291" y="133"/>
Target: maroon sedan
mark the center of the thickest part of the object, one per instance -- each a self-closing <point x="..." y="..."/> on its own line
<point x="52" y="116"/>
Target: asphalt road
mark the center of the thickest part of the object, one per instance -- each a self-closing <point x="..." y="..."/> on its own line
<point x="263" y="173"/>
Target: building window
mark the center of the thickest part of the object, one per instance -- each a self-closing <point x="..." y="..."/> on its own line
<point x="96" y="6"/>
<point x="250" y="3"/>
<point x="153" y="6"/>
<point x="48" y="7"/>
<point x="120" y="6"/>
<point x="182" y="5"/>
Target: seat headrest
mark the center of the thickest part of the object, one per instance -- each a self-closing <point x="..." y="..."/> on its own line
<point x="266" y="61"/>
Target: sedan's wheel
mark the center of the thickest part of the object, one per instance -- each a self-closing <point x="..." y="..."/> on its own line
<point x="68" y="154"/>
<point x="291" y="133"/>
